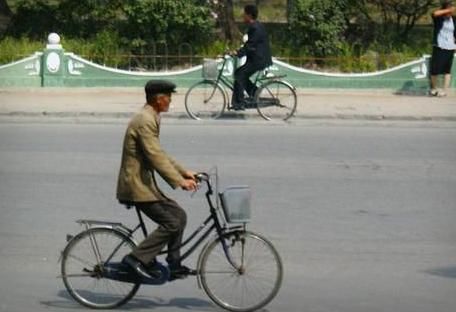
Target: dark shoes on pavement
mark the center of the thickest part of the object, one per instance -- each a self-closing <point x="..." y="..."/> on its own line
<point x="248" y="102"/>
<point x="144" y="271"/>
<point x="151" y="272"/>
<point x="180" y="272"/>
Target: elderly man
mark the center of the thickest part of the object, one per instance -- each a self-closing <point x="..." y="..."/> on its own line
<point x="142" y="157"/>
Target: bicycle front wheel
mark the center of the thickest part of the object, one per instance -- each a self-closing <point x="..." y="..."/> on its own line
<point x="205" y="100"/>
<point x="276" y="100"/>
<point x="250" y="280"/>
<point x="83" y="261"/>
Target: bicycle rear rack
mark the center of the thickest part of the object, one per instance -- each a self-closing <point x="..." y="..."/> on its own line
<point x="87" y="223"/>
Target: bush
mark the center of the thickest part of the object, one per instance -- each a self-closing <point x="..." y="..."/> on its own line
<point x="104" y="48"/>
<point x="13" y="49"/>
<point x="149" y="22"/>
<point x="318" y="27"/>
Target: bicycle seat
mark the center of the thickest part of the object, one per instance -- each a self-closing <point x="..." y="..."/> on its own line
<point x="266" y="73"/>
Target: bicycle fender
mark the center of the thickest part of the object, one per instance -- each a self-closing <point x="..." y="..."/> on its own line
<point x="203" y="251"/>
<point x="287" y="83"/>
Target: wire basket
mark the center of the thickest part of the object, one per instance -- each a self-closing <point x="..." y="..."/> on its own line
<point x="210" y="70"/>
<point x="236" y="204"/>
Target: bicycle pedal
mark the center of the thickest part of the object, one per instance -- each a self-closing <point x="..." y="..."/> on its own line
<point x="174" y="277"/>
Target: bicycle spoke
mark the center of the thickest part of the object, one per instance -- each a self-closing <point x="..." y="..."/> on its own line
<point x="86" y="281"/>
<point x="81" y="260"/>
<point x="276" y="100"/>
<point x="249" y="287"/>
<point x="205" y="100"/>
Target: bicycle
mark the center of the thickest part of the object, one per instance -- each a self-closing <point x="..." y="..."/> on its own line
<point x="275" y="98"/>
<point x="238" y="269"/>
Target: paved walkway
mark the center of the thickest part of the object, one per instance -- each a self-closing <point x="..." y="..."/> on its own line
<point x="312" y="104"/>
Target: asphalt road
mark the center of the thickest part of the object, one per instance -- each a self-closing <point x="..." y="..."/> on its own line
<point x="363" y="214"/>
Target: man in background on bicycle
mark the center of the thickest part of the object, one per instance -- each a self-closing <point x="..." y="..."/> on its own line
<point x="258" y="55"/>
<point x="142" y="156"/>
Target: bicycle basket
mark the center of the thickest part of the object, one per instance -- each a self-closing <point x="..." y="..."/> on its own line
<point x="236" y="204"/>
<point x="210" y="70"/>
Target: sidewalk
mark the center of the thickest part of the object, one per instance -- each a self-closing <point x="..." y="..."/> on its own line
<point x="312" y="104"/>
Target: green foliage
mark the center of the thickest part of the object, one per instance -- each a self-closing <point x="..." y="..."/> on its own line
<point x="346" y="35"/>
<point x="173" y="22"/>
<point x="133" y="24"/>
<point x="318" y="26"/>
<point x="12" y="49"/>
<point x="84" y="18"/>
<point x="33" y="19"/>
<point x="103" y="48"/>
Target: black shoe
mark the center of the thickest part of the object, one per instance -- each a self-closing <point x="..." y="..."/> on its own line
<point x="238" y="107"/>
<point x="249" y="102"/>
<point x="180" y="272"/>
<point x="139" y="268"/>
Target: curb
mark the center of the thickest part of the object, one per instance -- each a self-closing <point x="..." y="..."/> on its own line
<point x="226" y="116"/>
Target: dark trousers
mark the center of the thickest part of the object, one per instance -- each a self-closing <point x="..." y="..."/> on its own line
<point x="441" y="61"/>
<point x="242" y="82"/>
<point x="171" y="220"/>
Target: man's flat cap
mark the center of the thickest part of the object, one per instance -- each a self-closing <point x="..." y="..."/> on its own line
<point x="159" y="86"/>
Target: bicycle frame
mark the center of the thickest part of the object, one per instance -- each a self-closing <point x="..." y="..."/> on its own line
<point x="110" y="283"/>
<point x="207" y="225"/>
<point x="215" y="225"/>
<point x="260" y="78"/>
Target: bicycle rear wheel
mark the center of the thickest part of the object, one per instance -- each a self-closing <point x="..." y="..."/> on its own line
<point x="276" y="99"/>
<point x="205" y="100"/>
<point x="83" y="261"/>
<point x="254" y="280"/>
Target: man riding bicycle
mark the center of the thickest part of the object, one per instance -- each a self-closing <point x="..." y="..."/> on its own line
<point x="258" y="55"/>
<point x="142" y="156"/>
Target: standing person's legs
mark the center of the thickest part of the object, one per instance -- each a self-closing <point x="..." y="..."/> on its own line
<point x="448" y="67"/>
<point x="441" y="64"/>
<point x="435" y="69"/>
<point x="434" y="81"/>
<point x="447" y="81"/>
<point x="171" y="219"/>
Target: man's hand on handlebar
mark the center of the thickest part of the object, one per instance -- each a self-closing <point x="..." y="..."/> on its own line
<point x="190" y="175"/>
<point x="189" y="185"/>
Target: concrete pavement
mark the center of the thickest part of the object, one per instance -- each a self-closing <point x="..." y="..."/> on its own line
<point x="312" y="104"/>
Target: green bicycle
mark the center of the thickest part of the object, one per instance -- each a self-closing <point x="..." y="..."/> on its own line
<point x="275" y="98"/>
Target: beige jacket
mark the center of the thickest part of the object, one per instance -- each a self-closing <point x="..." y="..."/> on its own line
<point x="142" y="156"/>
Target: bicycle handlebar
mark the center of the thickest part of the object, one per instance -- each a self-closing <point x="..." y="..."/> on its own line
<point x="202" y="176"/>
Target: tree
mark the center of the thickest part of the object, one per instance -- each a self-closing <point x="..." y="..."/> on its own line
<point x="34" y="19"/>
<point x="397" y="17"/>
<point x="5" y="15"/>
<point x="290" y="6"/>
<point x="224" y="12"/>
<point x="318" y="26"/>
<point x="172" y="22"/>
<point x="4" y="8"/>
<point x="86" y="18"/>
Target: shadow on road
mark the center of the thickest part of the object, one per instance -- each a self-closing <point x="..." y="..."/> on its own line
<point x="448" y="272"/>
<point x="67" y="302"/>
